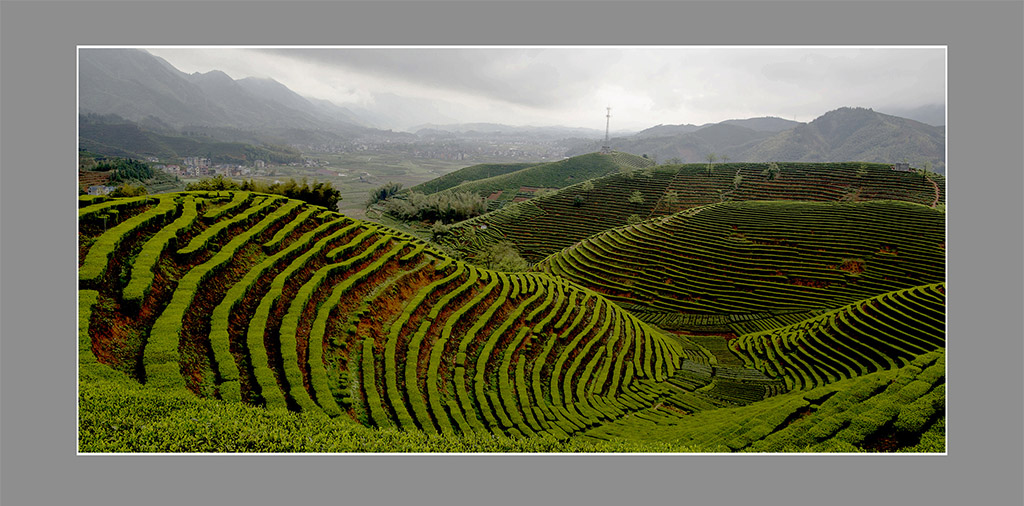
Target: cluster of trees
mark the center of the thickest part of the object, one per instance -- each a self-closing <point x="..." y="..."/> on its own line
<point x="215" y="183"/>
<point x="124" y="169"/>
<point x="636" y="197"/>
<point x="384" y="192"/>
<point x="501" y="256"/>
<point x="129" y="190"/>
<point x="443" y="207"/>
<point x="320" y="194"/>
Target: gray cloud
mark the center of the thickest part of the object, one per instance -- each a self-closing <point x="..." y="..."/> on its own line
<point x="572" y="85"/>
<point x="529" y="77"/>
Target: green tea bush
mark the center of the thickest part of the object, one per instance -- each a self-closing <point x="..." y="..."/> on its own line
<point x="142" y="273"/>
<point x="99" y="254"/>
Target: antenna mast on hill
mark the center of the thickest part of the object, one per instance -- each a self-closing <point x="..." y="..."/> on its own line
<point x="606" y="149"/>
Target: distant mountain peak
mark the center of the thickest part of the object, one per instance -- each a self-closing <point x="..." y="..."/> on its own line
<point x="215" y="76"/>
<point x="844" y="134"/>
<point x="262" y="81"/>
<point x="139" y="86"/>
<point x="764" y="123"/>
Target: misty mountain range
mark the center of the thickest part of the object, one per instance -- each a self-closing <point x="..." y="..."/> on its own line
<point x="150" y="93"/>
<point x="845" y="134"/>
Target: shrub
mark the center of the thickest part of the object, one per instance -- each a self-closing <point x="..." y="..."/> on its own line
<point x="671" y="198"/>
<point x="439" y="229"/>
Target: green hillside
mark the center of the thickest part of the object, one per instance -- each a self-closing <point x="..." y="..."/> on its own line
<point x="129" y="140"/>
<point x="867" y="336"/>
<point x="97" y="170"/>
<point x="268" y="301"/>
<point x="751" y="258"/>
<point x="853" y="133"/>
<point x="471" y="173"/>
<point x="247" y="322"/>
<point x="547" y="224"/>
<point x="897" y="410"/>
<point x="525" y="182"/>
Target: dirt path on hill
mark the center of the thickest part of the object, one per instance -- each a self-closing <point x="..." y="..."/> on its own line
<point x="936" y="186"/>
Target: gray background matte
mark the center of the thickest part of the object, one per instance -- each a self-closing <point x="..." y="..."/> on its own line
<point x="38" y="160"/>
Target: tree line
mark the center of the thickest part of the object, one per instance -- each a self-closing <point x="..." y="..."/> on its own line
<point x="319" y="193"/>
<point x="444" y="207"/>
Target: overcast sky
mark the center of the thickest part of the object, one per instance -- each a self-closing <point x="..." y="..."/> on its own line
<point x="571" y="86"/>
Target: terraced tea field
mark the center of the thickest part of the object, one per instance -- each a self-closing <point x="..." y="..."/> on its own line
<point x="549" y="175"/>
<point x="545" y="225"/>
<point x="262" y="300"/>
<point x="760" y="259"/>
<point x="882" y="332"/>
<point x="893" y="410"/>
<point x="737" y="326"/>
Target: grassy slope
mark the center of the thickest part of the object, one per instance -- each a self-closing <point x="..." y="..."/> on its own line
<point x="471" y="173"/>
<point x="117" y="415"/>
<point x="555" y="174"/>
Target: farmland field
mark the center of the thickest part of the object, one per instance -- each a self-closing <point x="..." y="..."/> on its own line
<point x="355" y="174"/>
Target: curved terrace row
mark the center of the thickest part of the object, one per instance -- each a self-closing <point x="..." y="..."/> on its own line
<point x="265" y="300"/>
<point x="547" y="224"/>
<point x="748" y="257"/>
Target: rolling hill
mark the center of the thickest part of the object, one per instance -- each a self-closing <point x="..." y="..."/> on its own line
<point x="113" y="136"/>
<point x="757" y="259"/>
<point x="856" y="134"/>
<point x="471" y="173"/>
<point x="259" y="299"/>
<point x="544" y="225"/>
<point x="238" y="321"/>
<point x="523" y="183"/>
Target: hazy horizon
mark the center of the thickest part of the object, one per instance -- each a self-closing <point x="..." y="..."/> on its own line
<point x="571" y="86"/>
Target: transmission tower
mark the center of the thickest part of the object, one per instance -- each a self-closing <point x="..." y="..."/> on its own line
<point x="606" y="149"/>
